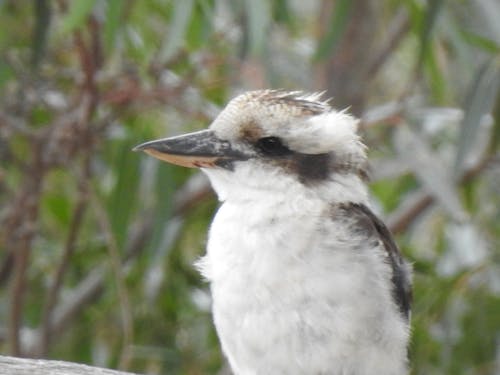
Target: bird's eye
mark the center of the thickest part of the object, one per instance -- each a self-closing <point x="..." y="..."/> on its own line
<point x="272" y="146"/>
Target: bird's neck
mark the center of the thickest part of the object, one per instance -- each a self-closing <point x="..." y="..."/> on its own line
<point x="251" y="187"/>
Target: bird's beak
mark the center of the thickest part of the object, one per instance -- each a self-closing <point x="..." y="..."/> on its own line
<point x="202" y="149"/>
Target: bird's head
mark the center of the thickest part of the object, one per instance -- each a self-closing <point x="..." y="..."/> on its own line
<point x="271" y="140"/>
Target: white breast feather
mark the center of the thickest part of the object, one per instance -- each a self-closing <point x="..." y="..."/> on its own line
<point x="284" y="278"/>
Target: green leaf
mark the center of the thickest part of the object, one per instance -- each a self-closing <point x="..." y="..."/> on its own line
<point x="478" y="102"/>
<point x="6" y="73"/>
<point x="329" y="42"/>
<point x="114" y="13"/>
<point x="40" y="33"/>
<point x="77" y="13"/>
<point x="258" y="21"/>
<point x="122" y="198"/>
<point x="177" y="31"/>
<point x="427" y="28"/>
<point x="200" y="25"/>
<point x="436" y="77"/>
<point x="282" y="12"/>
<point x="163" y="191"/>
<point x="486" y="44"/>
<point x="59" y="206"/>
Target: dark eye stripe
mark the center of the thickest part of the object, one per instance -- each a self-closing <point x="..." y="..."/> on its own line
<point x="272" y="146"/>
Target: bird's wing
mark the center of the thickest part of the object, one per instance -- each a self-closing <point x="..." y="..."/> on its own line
<point x="365" y="222"/>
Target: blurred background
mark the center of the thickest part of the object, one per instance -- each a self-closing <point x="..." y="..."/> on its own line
<point x="97" y="242"/>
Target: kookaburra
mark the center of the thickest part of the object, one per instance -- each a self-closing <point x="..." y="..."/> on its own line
<point x="305" y="279"/>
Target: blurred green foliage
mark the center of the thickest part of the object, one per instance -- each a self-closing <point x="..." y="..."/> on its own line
<point x="97" y="243"/>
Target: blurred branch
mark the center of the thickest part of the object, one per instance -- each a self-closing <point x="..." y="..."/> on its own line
<point x="389" y="113"/>
<point x="42" y="14"/>
<point x="90" y="61"/>
<point x="435" y="178"/>
<point x="52" y="146"/>
<point x="20" y="225"/>
<point x="415" y="205"/>
<point x="87" y="291"/>
<point x="408" y="211"/>
<point x="347" y="29"/>
<point x="397" y="30"/>
<point x="89" y="64"/>
<point x="196" y="189"/>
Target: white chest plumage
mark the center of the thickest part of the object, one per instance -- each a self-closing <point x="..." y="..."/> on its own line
<point x="294" y="293"/>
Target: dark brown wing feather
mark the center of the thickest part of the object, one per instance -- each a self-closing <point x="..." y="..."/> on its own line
<point x="367" y="223"/>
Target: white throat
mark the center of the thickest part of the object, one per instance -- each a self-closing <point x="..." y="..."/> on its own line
<point x="251" y="181"/>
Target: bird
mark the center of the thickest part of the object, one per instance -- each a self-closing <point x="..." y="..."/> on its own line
<point x="304" y="277"/>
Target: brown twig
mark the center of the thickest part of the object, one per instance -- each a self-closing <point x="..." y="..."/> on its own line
<point x="396" y="32"/>
<point x="402" y="220"/>
<point x="87" y="291"/>
<point x="69" y="248"/>
<point x="196" y="189"/>
<point x="21" y="256"/>
<point x="89" y="61"/>
<point x="20" y="229"/>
